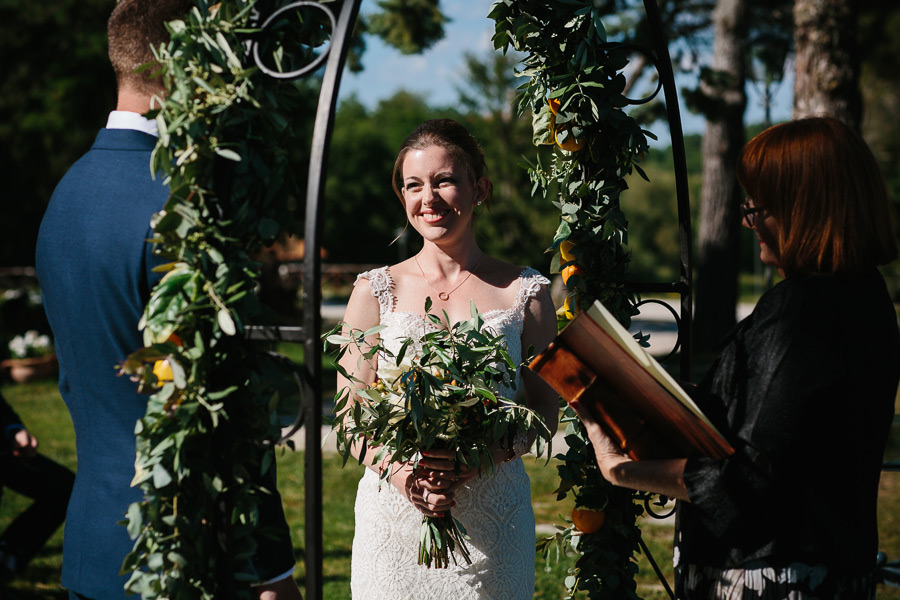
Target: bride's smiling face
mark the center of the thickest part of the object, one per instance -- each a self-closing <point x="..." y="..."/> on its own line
<point x="439" y="194"/>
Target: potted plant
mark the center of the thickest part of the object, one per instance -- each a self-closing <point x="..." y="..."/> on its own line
<point x="32" y="357"/>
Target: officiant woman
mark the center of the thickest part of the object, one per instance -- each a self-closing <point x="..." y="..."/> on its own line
<point x="804" y="388"/>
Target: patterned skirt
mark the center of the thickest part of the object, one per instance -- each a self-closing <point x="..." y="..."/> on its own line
<point x="795" y="582"/>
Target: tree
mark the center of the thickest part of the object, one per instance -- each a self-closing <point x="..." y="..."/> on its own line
<point x="826" y="80"/>
<point x="409" y="25"/>
<point x="879" y="36"/>
<point x="723" y="89"/>
<point x="56" y="90"/>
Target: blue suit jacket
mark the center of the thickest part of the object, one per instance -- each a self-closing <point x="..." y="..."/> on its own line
<point x="94" y="266"/>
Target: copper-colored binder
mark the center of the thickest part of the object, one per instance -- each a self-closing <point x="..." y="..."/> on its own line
<point x="646" y="420"/>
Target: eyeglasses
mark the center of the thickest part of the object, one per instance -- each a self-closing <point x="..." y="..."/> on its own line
<point x="749" y="211"/>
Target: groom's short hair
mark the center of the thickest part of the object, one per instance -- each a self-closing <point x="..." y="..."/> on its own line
<point x="134" y="29"/>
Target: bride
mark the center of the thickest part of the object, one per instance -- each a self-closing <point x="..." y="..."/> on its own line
<point x="439" y="178"/>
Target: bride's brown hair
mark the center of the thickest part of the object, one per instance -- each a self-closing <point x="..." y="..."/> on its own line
<point x="454" y="139"/>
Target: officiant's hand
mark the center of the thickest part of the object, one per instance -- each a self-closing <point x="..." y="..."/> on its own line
<point x="659" y="476"/>
<point x="606" y="450"/>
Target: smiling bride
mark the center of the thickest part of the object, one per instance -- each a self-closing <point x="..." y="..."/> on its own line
<point x="439" y="178"/>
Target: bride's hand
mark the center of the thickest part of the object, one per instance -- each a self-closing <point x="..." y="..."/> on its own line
<point x="430" y="486"/>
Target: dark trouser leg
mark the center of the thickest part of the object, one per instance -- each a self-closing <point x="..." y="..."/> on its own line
<point x="49" y="484"/>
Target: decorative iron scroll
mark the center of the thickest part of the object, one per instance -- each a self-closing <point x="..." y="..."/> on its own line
<point x="273" y="18"/>
<point x="662" y="62"/>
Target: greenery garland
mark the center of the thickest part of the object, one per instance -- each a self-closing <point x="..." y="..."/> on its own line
<point x="205" y="443"/>
<point x="575" y="94"/>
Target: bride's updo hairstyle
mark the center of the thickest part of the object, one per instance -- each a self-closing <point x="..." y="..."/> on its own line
<point x="820" y="182"/>
<point x="454" y="139"/>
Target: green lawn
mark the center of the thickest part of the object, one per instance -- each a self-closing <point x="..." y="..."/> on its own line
<point x="42" y="409"/>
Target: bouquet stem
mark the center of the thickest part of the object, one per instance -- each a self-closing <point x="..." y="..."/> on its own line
<point x="441" y="538"/>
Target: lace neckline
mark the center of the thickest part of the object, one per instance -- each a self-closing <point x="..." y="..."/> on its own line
<point x="387" y="285"/>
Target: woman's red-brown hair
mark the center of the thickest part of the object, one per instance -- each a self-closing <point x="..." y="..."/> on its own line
<point x="821" y="183"/>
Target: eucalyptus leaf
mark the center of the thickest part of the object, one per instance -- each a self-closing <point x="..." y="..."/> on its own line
<point x="161" y="476"/>
<point x="226" y="323"/>
<point x="227" y="154"/>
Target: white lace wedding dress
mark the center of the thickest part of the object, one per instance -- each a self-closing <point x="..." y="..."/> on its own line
<point x="495" y="509"/>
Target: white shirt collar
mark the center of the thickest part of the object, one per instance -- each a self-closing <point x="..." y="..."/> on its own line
<point x="121" y="119"/>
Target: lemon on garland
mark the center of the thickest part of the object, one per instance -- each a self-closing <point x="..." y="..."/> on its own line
<point x="163" y="370"/>
<point x="569" y="271"/>
<point x="565" y="251"/>
<point x="588" y="520"/>
<point x="568" y="141"/>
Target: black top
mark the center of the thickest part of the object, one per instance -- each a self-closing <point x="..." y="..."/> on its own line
<point x="804" y="390"/>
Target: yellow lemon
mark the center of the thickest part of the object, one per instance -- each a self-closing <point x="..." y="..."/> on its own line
<point x="569" y="271"/>
<point x="163" y="370"/>
<point x="554" y="104"/>
<point x="570" y="144"/>
<point x="565" y="251"/>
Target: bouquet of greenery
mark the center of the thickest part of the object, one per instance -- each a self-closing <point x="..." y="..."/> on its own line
<point x="437" y="392"/>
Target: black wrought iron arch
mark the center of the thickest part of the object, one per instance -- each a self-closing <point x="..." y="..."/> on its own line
<point x="309" y="334"/>
<point x="661" y="59"/>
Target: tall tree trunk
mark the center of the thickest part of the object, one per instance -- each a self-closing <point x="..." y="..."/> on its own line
<point x="827" y="71"/>
<point x="717" y="241"/>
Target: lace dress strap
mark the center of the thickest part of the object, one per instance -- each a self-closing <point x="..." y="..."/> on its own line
<point x="530" y="282"/>
<point x="381" y="286"/>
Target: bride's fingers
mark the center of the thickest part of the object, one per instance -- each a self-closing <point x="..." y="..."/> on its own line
<point x="432" y="503"/>
<point x="436" y="464"/>
<point x="440" y="454"/>
<point x="444" y="475"/>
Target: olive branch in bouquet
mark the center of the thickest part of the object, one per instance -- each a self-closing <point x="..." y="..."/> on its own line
<point x="439" y="391"/>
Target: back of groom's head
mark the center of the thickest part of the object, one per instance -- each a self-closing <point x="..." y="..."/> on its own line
<point x="134" y="29"/>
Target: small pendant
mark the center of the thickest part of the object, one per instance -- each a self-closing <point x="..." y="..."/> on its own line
<point x="444" y="296"/>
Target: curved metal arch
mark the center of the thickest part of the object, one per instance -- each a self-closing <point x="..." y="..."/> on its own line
<point x="309" y="375"/>
<point x="312" y="292"/>
<point x="310" y="333"/>
<point x="684" y="286"/>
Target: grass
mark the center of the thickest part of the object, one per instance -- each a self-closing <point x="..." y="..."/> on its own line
<point x="42" y="409"/>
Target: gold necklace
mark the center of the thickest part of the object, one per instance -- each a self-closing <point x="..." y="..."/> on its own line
<point x="444" y="296"/>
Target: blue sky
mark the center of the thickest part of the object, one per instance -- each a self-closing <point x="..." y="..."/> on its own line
<point x="439" y="71"/>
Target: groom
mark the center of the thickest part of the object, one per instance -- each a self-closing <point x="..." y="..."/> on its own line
<point x="95" y="268"/>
